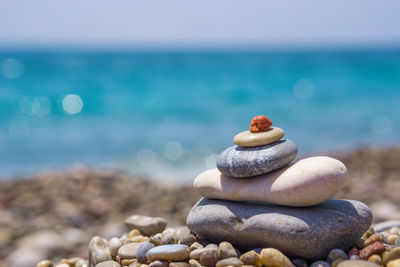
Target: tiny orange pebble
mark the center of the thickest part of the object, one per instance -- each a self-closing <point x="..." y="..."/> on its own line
<point x="260" y="123"/>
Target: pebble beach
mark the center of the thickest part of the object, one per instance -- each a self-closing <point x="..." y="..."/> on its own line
<point x="57" y="216"/>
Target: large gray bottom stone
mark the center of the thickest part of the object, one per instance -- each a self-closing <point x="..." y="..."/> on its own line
<point x="239" y="161"/>
<point x="307" y="232"/>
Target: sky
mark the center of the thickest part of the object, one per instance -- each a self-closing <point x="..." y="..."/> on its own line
<point x="206" y="23"/>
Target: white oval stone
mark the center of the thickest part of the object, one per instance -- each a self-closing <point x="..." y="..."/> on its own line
<point x="249" y="139"/>
<point x="306" y="182"/>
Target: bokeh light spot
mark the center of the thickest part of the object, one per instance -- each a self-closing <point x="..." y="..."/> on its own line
<point x="12" y="68"/>
<point x="303" y="89"/>
<point x="72" y="104"/>
<point x="173" y="150"/>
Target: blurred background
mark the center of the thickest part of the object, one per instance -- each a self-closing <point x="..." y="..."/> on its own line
<point x="109" y="108"/>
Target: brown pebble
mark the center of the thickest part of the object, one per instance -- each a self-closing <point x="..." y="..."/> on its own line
<point x="195" y="245"/>
<point x="260" y="123"/>
<point x="209" y="258"/>
<point x="187" y="240"/>
<point x="194" y="263"/>
<point x="373" y="238"/>
<point x="251" y="258"/>
<point x="336" y="262"/>
<point x="45" y="263"/>
<point x="108" y="264"/>
<point x="195" y="254"/>
<point x="226" y="250"/>
<point x="232" y="261"/>
<point x="179" y="264"/>
<point x="391" y="255"/>
<point x="375" y="259"/>
<point x="126" y="262"/>
<point x="159" y="264"/>
<point x="374" y="248"/>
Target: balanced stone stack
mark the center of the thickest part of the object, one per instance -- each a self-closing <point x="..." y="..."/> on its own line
<point x="257" y="198"/>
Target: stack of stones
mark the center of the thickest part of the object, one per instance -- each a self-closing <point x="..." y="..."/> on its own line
<point x="257" y="198"/>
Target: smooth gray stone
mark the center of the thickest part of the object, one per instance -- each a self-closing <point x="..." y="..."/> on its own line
<point x="308" y="232"/>
<point x="386" y="225"/>
<point x="239" y="161"/>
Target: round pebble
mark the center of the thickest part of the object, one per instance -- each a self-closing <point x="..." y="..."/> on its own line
<point x="195" y="254"/>
<point x="393" y="238"/>
<point x="182" y="232"/>
<point x="320" y="264"/>
<point x="168" y="252"/>
<point x="128" y="251"/>
<point x="45" y="263"/>
<point x="108" y="264"/>
<point x="179" y="264"/>
<point x="142" y="250"/>
<point x="393" y="263"/>
<point x="251" y="258"/>
<point x="375" y="259"/>
<point x="335" y="254"/>
<point x="237" y="161"/>
<point x="392" y="255"/>
<point x="187" y="240"/>
<point x="357" y="263"/>
<point x="372" y="239"/>
<point x="114" y="244"/>
<point x="271" y="257"/>
<point x="249" y="139"/>
<point x="226" y="250"/>
<point x="145" y="224"/>
<point x="194" y="263"/>
<point x="99" y="250"/>
<point x="195" y="245"/>
<point x="232" y="261"/>
<point x="159" y="263"/>
<point x="209" y="258"/>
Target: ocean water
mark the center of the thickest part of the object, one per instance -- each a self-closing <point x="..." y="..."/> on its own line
<point x="167" y="115"/>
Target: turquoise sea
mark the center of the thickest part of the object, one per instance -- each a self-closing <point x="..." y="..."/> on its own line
<point x="167" y="114"/>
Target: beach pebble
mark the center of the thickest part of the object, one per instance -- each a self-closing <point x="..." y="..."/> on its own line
<point x="306" y="182"/>
<point x="374" y="248"/>
<point x="379" y="227"/>
<point x="260" y="123"/>
<point x="319" y="229"/>
<point x="251" y="258"/>
<point x="393" y="263"/>
<point x="145" y="224"/>
<point x="320" y="264"/>
<point x="357" y="263"/>
<point x="229" y="262"/>
<point x="129" y="250"/>
<point x="392" y="255"/>
<point x="156" y="239"/>
<point x="159" y="263"/>
<point x="142" y="250"/>
<point x="237" y="161"/>
<point x="336" y="262"/>
<point x="249" y="139"/>
<point x="300" y="263"/>
<point x="82" y="263"/>
<point x="375" y="259"/>
<point x="335" y="254"/>
<point x="169" y="253"/>
<point x="354" y="257"/>
<point x="195" y="245"/>
<point x="45" y="263"/>
<point x="108" y="264"/>
<point x="182" y="232"/>
<point x="187" y="240"/>
<point x="194" y="263"/>
<point x="226" y="250"/>
<point x="114" y="244"/>
<point x="179" y="264"/>
<point x="167" y="238"/>
<point x="63" y="265"/>
<point x="372" y="239"/>
<point x="209" y="258"/>
<point x="195" y="254"/>
<point x="98" y="250"/>
<point x="271" y="257"/>
<point x="393" y="238"/>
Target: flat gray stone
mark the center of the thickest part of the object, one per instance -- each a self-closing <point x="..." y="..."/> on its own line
<point x="239" y="161"/>
<point x="308" y="232"/>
